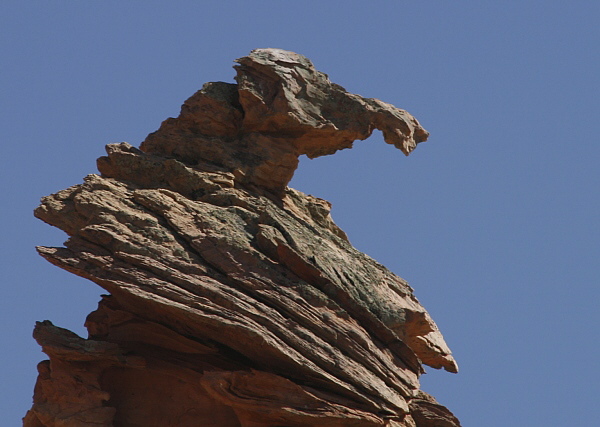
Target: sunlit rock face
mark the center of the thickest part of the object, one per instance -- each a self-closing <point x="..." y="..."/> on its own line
<point x="233" y="299"/>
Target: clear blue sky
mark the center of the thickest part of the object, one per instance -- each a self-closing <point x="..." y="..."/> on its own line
<point x="494" y="221"/>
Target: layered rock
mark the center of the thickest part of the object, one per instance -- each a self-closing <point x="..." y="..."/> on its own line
<point x="235" y="300"/>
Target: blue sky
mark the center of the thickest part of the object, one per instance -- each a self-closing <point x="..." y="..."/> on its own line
<point x="493" y="221"/>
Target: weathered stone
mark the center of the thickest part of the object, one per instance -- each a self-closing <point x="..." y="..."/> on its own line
<point x="427" y="412"/>
<point x="281" y="108"/>
<point x="234" y="300"/>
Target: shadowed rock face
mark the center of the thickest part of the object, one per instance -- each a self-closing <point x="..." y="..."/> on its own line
<point x="235" y="300"/>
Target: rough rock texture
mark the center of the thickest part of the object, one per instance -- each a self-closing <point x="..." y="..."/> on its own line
<point x="235" y="300"/>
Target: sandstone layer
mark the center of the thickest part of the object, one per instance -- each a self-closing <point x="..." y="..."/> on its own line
<point x="235" y="300"/>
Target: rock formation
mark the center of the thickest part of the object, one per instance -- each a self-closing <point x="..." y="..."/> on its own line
<point x="233" y="299"/>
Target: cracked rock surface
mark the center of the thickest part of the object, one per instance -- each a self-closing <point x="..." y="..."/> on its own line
<point x="235" y="300"/>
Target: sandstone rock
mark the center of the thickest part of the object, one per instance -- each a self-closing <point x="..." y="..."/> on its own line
<point x="427" y="412"/>
<point x="281" y="108"/>
<point x="235" y="300"/>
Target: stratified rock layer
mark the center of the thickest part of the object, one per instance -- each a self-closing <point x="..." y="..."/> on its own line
<point x="235" y="300"/>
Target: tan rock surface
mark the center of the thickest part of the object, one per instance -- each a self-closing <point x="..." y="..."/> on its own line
<point x="235" y="300"/>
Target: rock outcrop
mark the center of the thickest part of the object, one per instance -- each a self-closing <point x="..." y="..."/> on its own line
<point x="233" y="299"/>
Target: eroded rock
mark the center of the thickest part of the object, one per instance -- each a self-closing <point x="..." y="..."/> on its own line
<point x="235" y="300"/>
<point x="281" y="108"/>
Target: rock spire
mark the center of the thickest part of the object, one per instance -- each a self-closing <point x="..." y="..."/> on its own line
<point x="234" y="300"/>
